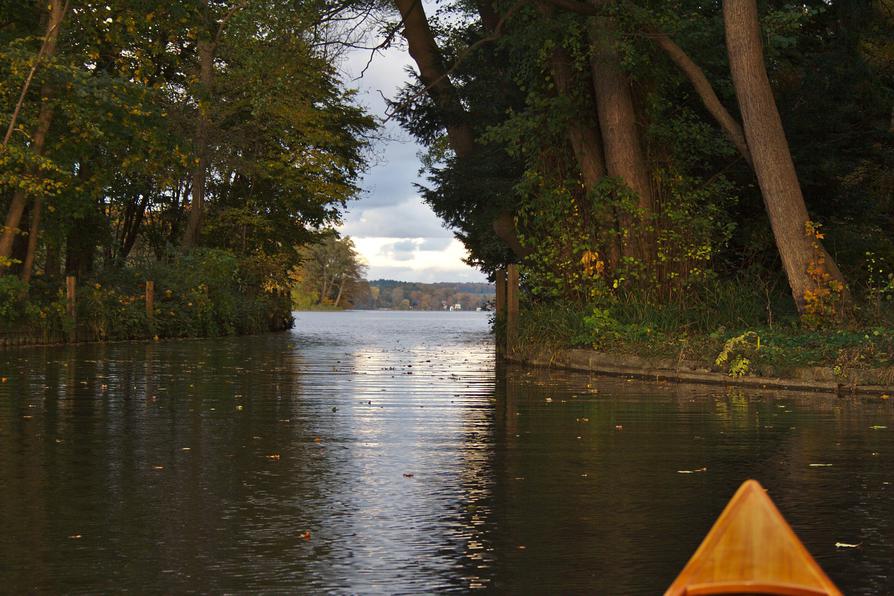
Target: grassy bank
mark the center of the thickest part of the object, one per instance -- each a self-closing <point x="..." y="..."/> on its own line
<point x="205" y="294"/>
<point x="735" y="330"/>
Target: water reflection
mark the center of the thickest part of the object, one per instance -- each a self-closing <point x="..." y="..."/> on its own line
<point x="591" y="473"/>
<point x="381" y="452"/>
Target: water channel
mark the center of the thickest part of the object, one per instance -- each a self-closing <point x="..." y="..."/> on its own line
<point x="368" y="452"/>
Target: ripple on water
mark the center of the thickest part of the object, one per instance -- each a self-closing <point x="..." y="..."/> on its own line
<point x="381" y="452"/>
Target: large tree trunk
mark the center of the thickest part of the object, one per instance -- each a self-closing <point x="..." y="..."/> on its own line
<point x="624" y="155"/>
<point x="585" y="138"/>
<point x="586" y="142"/>
<point x="425" y="52"/>
<point x="44" y="119"/>
<point x="773" y="164"/>
<point x="197" y="207"/>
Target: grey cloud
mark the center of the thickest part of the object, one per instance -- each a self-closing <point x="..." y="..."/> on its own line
<point x="409" y="219"/>
<point x="436" y="243"/>
<point x="404" y="250"/>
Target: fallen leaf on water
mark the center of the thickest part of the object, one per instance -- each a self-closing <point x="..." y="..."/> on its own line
<point x="820" y="465"/>
<point x="273" y="456"/>
<point x="305" y="535"/>
<point x="4" y="379"/>
<point x="846" y="545"/>
<point x="886" y="396"/>
<point x="317" y="439"/>
<point x="877" y="427"/>
<point x="692" y="471"/>
<point x="582" y="420"/>
<point x="408" y="475"/>
<point x="549" y="400"/>
<point x="75" y="537"/>
<point x="158" y="467"/>
<point x="522" y="547"/>
<point x="619" y="427"/>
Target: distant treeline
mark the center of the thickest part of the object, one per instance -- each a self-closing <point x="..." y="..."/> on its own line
<point x="403" y="295"/>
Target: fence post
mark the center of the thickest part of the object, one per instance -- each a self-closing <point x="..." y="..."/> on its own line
<point x="150" y="299"/>
<point x="71" y="307"/>
<point x="500" y="308"/>
<point x="511" y="308"/>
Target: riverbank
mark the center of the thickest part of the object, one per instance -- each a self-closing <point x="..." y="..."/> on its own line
<point x="660" y="345"/>
<point x="208" y="294"/>
<point x="820" y="379"/>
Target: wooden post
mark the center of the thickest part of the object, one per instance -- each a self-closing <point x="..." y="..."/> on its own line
<point x="150" y="299"/>
<point x="71" y="307"/>
<point x="511" y="307"/>
<point x="500" y="308"/>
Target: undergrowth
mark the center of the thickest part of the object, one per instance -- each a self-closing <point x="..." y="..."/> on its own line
<point x="735" y="328"/>
<point x="208" y="293"/>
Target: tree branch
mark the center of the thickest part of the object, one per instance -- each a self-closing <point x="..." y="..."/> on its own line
<point x="494" y="36"/>
<point x="731" y="128"/>
<point x="49" y="38"/>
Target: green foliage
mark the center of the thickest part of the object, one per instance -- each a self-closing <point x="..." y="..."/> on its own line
<point x="736" y="352"/>
<point x="13" y="307"/>
<point x="202" y="294"/>
<point x="330" y="274"/>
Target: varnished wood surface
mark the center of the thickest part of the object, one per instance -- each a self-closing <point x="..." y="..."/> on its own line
<point x="751" y="549"/>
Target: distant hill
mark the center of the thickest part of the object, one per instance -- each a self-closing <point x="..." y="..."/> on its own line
<point x="406" y="295"/>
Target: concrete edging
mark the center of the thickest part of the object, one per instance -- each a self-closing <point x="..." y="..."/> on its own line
<point x="816" y="379"/>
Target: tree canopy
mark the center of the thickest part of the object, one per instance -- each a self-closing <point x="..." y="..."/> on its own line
<point x="620" y="148"/>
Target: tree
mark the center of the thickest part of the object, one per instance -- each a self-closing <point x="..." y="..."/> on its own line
<point x="437" y="84"/>
<point x="330" y="273"/>
<point x="808" y="266"/>
<point x="17" y="205"/>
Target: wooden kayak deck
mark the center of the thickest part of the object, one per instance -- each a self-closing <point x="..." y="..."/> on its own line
<point x="751" y="549"/>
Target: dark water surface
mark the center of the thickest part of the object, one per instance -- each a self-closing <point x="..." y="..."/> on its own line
<point x="380" y="452"/>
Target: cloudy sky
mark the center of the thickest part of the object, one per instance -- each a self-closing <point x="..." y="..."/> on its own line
<point x="398" y="235"/>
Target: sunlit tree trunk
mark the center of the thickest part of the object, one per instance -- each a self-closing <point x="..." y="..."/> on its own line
<point x="44" y="119"/>
<point x="800" y="252"/>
